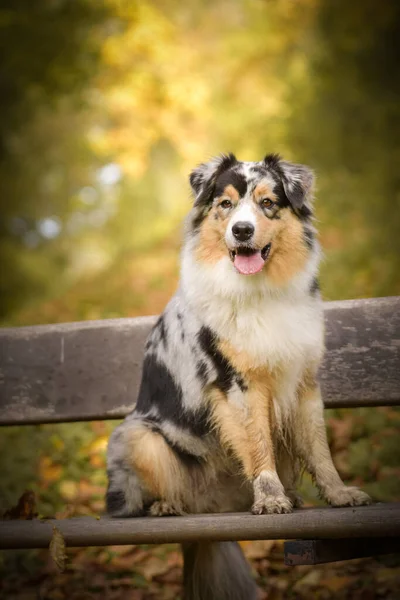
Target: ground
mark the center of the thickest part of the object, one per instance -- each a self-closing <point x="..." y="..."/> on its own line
<point x="155" y="573"/>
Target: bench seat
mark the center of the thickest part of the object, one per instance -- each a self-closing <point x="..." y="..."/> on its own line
<point x="91" y="371"/>
<point x="376" y="520"/>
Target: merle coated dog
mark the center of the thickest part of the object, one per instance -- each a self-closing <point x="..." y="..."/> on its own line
<point x="229" y="409"/>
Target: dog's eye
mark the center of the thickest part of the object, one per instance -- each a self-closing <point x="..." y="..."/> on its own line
<point x="226" y="204"/>
<point x="266" y="203"/>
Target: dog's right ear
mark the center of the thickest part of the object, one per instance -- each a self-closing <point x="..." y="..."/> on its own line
<point x="203" y="178"/>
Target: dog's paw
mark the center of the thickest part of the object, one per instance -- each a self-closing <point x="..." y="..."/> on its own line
<point x="268" y="505"/>
<point x="295" y="498"/>
<point x="347" y="496"/>
<point x="160" y="508"/>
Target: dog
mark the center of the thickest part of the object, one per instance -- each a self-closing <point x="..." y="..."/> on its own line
<point x="229" y="409"/>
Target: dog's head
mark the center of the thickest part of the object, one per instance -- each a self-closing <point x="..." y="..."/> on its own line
<point x="256" y="213"/>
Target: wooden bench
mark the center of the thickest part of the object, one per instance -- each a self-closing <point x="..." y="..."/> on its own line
<point x="91" y="370"/>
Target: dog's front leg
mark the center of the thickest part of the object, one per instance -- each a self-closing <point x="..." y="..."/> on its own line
<point x="312" y="444"/>
<point x="246" y="431"/>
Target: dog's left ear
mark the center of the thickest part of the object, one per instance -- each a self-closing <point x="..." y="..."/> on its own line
<point x="297" y="180"/>
<point x="203" y="178"/>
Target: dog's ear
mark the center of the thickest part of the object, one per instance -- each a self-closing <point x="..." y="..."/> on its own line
<point x="203" y="178"/>
<point x="297" y="180"/>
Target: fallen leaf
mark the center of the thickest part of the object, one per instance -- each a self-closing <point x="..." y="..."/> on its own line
<point x="57" y="549"/>
<point x="25" y="509"/>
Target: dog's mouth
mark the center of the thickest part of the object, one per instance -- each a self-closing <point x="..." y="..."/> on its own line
<point x="249" y="261"/>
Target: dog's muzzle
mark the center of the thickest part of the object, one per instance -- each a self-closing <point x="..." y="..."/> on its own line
<point x="249" y="261"/>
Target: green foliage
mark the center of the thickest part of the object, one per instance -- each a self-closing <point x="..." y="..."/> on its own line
<point x="63" y="464"/>
<point x="136" y="87"/>
<point x="346" y="123"/>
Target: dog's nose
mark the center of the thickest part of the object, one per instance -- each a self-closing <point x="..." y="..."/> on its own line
<point x="242" y="230"/>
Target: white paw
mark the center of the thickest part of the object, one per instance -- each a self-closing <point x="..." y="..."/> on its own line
<point x="347" y="496"/>
<point x="160" y="508"/>
<point x="268" y="505"/>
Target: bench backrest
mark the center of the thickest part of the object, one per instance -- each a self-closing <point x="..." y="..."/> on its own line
<point x="91" y="370"/>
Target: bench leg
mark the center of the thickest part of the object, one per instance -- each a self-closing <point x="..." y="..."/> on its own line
<point x="315" y="552"/>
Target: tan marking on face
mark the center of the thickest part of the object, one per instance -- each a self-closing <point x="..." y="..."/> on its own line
<point x="264" y="190"/>
<point x="230" y="192"/>
<point x="211" y="247"/>
<point x="289" y="251"/>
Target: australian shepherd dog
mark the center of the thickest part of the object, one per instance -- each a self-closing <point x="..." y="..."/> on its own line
<point x="229" y="410"/>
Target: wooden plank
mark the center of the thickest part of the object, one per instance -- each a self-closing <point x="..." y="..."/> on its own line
<point x="316" y="552"/>
<point x="91" y="370"/>
<point x="72" y="371"/>
<point x="309" y="523"/>
<point x="362" y="364"/>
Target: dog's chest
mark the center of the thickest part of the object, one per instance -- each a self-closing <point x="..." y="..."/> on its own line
<point x="279" y="334"/>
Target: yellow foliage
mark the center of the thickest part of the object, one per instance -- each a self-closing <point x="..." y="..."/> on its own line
<point x="48" y="471"/>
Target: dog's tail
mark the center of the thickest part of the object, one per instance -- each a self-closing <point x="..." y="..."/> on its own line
<point x="216" y="571"/>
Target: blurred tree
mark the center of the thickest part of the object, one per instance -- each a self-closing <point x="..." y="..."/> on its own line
<point x="346" y="123"/>
<point x="49" y="54"/>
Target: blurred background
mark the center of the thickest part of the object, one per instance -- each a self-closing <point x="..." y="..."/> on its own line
<point x="104" y="109"/>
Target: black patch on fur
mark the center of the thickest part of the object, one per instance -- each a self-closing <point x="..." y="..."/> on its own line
<point x="189" y="460"/>
<point x="272" y="161"/>
<point x="206" y="187"/>
<point x="241" y="383"/>
<point x="115" y="501"/>
<point x="159" y="390"/>
<point x="199" y="218"/>
<point x="302" y="211"/>
<point x="308" y="237"/>
<point x="231" y="177"/>
<point x="201" y="372"/>
<point x="226" y="374"/>
<point x="314" y="287"/>
<point x="160" y="325"/>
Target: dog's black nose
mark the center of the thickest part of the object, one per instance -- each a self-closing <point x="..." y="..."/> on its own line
<point x="242" y="230"/>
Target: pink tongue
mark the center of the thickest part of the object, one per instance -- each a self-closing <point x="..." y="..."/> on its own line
<point x="248" y="265"/>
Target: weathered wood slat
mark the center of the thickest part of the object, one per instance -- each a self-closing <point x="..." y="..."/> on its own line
<point x="91" y="370"/>
<point x="367" y="521"/>
<point x="316" y="552"/>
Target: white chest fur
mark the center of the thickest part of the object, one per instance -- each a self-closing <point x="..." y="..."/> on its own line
<point x="273" y="331"/>
<point x="274" y="327"/>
